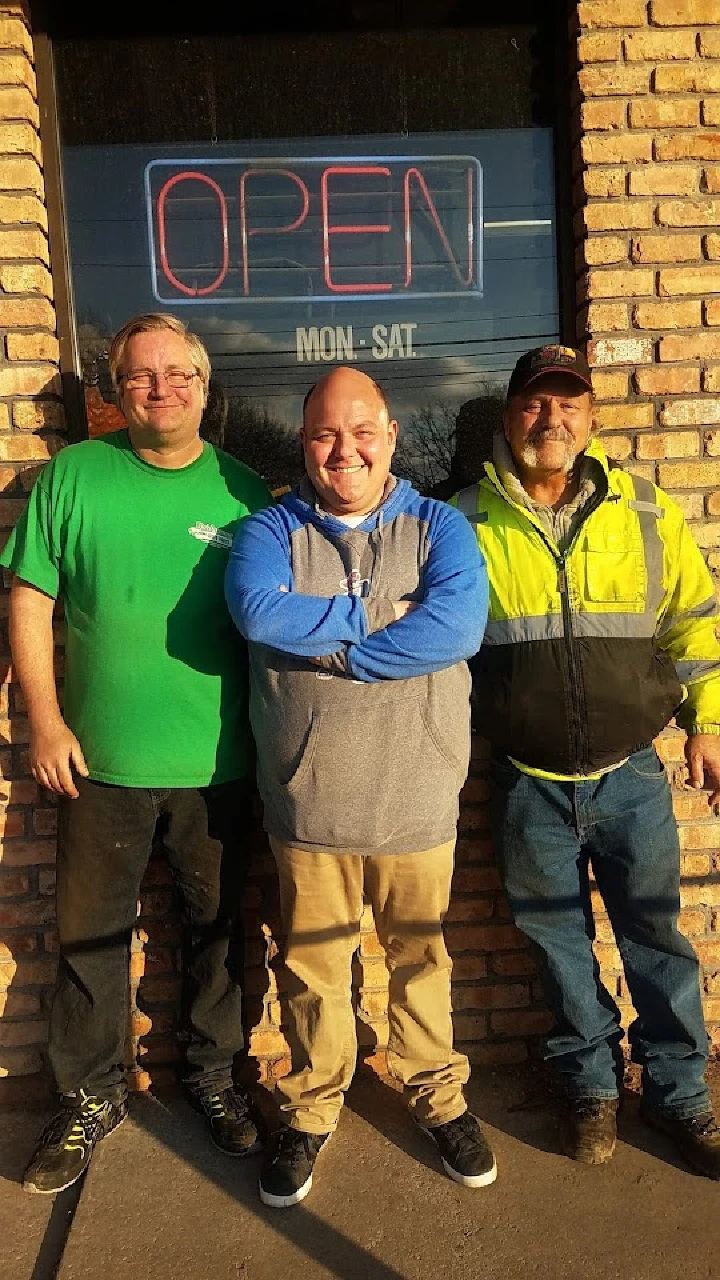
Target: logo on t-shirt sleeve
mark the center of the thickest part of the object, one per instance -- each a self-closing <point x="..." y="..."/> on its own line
<point x="211" y="534"/>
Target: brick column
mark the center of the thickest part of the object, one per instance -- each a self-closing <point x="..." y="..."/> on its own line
<point x="31" y="419"/>
<point x="647" y="196"/>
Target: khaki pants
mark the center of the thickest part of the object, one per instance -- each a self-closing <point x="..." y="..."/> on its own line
<point x="322" y="900"/>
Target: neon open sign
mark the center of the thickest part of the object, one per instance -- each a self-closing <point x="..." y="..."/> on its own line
<point x="314" y="228"/>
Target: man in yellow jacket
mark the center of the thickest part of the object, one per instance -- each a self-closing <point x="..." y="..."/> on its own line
<point x="601" y="629"/>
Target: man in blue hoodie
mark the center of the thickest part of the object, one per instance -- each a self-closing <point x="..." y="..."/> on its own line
<point x="361" y="600"/>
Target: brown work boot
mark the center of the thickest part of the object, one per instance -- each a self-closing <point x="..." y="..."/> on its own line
<point x="590" y="1129"/>
<point x="697" y="1138"/>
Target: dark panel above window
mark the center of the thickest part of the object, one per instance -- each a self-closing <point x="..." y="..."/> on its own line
<point x="75" y="18"/>
<point x="155" y="90"/>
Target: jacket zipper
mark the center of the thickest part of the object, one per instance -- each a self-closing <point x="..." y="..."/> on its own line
<point x="577" y="718"/>
<point x="578" y="742"/>
<point x="577" y="712"/>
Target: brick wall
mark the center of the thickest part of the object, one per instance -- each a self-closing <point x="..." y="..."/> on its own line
<point x="31" y="418"/>
<point x="646" y="106"/>
<point x="646" y="102"/>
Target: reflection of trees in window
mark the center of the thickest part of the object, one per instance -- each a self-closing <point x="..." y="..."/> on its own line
<point x="102" y="412"/>
<point x="261" y="441"/>
<point x="442" y="449"/>
<point x="93" y="345"/>
<point x="426" y="445"/>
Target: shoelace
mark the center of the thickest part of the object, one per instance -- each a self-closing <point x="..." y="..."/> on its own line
<point x="462" y="1134"/>
<point x="704" y="1126"/>
<point x="589" y="1108"/>
<point x="219" y="1105"/>
<point x="292" y="1148"/>
<point x="85" y="1127"/>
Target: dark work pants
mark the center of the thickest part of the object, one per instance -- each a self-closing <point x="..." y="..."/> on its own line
<point x="104" y="843"/>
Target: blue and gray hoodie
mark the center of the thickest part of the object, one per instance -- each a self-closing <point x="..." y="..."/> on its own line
<point x="367" y="751"/>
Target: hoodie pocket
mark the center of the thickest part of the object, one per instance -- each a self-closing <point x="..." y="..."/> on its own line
<point x="296" y="779"/>
<point x="384" y="772"/>
<point x="442" y="745"/>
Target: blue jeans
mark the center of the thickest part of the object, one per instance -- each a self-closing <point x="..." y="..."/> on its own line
<point x="546" y="834"/>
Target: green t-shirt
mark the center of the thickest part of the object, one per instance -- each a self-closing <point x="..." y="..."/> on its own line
<point x="155" y="670"/>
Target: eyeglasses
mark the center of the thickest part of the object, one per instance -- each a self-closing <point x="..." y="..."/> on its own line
<point x="142" y="379"/>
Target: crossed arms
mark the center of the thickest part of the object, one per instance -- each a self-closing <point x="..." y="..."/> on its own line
<point x="445" y="626"/>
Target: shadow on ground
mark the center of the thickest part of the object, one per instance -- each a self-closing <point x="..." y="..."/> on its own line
<point x="160" y="1201"/>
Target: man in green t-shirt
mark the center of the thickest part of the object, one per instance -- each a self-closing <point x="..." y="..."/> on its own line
<point x="132" y="531"/>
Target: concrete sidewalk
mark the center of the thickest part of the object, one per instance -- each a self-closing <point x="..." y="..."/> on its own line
<point x="159" y="1202"/>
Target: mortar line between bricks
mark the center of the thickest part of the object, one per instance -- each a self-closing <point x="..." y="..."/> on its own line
<point x="57" y="1232"/>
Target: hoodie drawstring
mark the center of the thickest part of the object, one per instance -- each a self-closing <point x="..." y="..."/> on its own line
<point x="376" y="544"/>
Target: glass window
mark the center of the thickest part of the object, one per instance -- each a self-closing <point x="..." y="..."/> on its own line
<point x="421" y="253"/>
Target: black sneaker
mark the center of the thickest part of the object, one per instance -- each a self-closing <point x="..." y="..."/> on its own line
<point x="232" y="1120"/>
<point x="697" y="1138"/>
<point x="590" y="1129"/>
<point x="68" y="1140"/>
<point x="287" y="1175"/>
<point x="464" y="1151"/>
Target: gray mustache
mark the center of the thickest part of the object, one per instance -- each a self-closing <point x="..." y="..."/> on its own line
<point x="555" y="434"/>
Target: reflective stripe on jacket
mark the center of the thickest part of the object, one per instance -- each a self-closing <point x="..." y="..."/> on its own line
<point x="588" y="654"/>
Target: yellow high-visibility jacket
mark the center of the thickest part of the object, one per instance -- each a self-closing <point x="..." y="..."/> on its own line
<point x="588" y="654"/>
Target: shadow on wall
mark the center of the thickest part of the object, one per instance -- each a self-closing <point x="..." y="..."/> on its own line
<point x="476" y="423"/>
<point x="28" y="949"/>
<point x="28" y="953"/>
<point x="493" y="967"/>
<point x="499" y="1008"/>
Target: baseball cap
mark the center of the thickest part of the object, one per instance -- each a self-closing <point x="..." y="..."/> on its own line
<point x="552" y="359"/>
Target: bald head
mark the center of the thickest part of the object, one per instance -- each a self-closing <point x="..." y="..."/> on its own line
<point x="348" y="441"/>
<point x="338" y="373"/>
